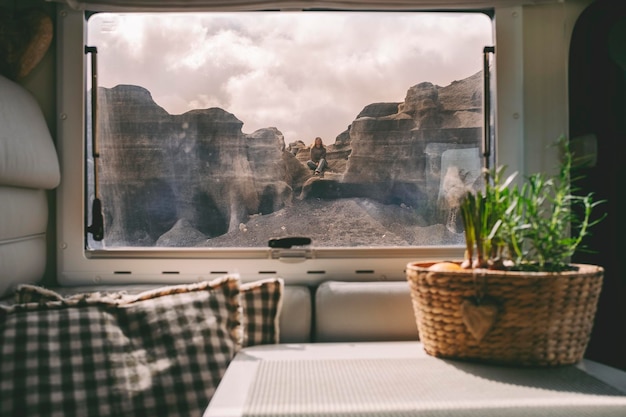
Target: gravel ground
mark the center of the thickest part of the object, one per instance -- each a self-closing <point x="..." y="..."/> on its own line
<point x="343" y="222"/>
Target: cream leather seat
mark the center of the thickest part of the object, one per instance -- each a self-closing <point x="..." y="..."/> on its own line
<point x="29" y="167"/>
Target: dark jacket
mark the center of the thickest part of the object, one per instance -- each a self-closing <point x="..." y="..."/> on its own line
<point x="317" y="153"/>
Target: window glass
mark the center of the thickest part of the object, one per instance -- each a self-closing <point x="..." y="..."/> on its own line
<point x="206" y="126"/>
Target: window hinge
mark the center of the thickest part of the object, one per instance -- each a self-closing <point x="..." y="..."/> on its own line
<point x="282" y="249"/>
<point x="291" y="255"/>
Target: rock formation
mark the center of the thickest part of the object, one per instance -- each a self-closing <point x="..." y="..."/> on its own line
<point x="198" y="167"/>
<point x="398" y="154"/>
<point x="176" y="180"/>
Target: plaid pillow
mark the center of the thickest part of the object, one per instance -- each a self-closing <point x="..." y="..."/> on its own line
<point x="161" y="353"/>
<point x="261" y="302"/>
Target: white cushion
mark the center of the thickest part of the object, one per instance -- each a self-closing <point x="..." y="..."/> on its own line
<point x="295" y="314"/>
<point x="28" y="166"/>
<point x="23" y="222"/>
<point x="364" y="311"/>
<point x="23" y="261"/>
<point x="24" y="212"/>
<point x="27" y="154"/>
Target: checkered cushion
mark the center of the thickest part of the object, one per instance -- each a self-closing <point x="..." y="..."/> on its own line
<point x="159" y="353"/>
<point x="261" y="302"/>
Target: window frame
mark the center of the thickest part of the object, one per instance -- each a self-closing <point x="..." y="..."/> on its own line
<point x="77" y="266"/>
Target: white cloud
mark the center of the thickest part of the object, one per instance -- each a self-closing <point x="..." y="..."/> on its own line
<point x="308" y="74"/>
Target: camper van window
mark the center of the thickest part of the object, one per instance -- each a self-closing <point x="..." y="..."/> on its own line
<point x="206" y="126"/>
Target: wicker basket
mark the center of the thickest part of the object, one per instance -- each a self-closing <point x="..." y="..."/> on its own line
<point x="533" y="319"/>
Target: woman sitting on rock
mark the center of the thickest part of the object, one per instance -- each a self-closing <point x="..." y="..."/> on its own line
<point x="318" y="157"/>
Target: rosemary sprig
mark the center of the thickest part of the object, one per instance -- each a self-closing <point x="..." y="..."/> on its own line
<point x="535" y="227"/>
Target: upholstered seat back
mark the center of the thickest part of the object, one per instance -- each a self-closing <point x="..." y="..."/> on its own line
<point x="28" y="167"/>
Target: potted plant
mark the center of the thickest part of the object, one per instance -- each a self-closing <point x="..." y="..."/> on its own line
<point x="515" y="298"/>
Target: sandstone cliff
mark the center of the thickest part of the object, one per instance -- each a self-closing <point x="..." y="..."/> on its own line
<point x="184" y="180"/>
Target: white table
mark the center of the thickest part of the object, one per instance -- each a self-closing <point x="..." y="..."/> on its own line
<point x="400" y="379"/>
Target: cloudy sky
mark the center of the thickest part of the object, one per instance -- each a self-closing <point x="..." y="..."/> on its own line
<point x="307" y="74"/>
